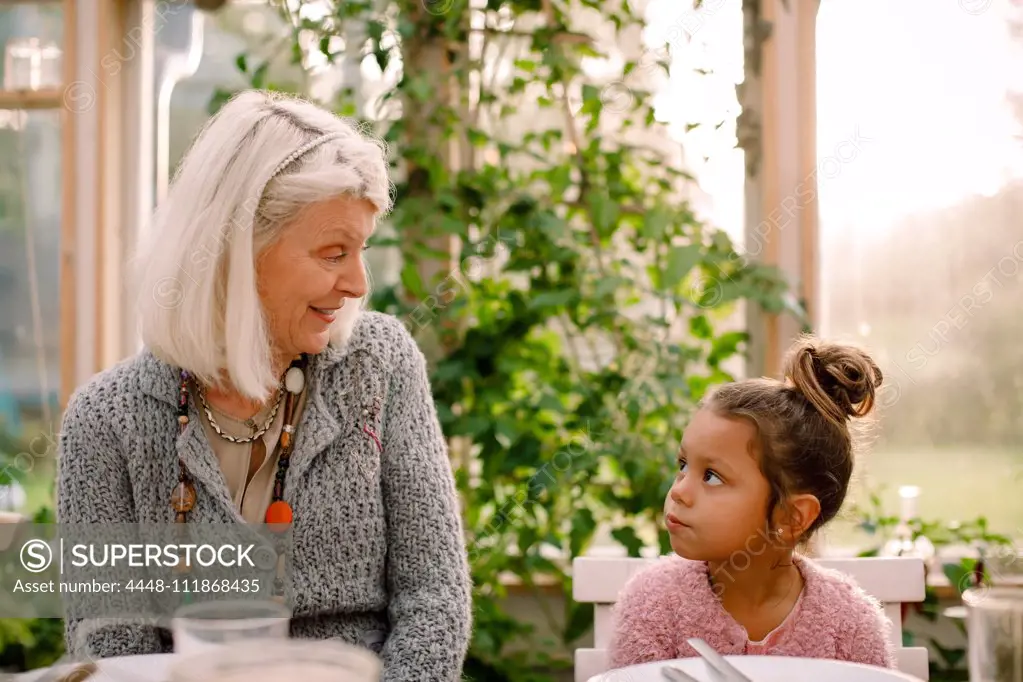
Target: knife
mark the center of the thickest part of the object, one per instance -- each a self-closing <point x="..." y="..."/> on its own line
<point x="716" y="662"/>
<point x="677" y="675"/>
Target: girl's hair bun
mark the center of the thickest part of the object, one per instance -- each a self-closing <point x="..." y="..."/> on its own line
<point x="841" y="381"/>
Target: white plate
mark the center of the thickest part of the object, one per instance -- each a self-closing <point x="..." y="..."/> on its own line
<point x="763" y="669"/>
<point x="147" y="668"/>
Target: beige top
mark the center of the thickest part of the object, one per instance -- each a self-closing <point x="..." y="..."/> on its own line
<point x="250" y="495"/>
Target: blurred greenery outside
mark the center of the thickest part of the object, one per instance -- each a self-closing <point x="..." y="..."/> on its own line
<point x="944" y="436"/>
<point x="958" y="480"/>
<point x="1001" y="494"/>
<point x="924" y="266"/>
<point x="956" y="427"/>
<point x="938" y="435"/>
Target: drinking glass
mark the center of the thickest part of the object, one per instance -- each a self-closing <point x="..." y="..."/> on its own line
<point x="275" y="660"/>
<point x="210" y="625"/>
<point x="9" y="522"/>
<point x="994" y="623"/>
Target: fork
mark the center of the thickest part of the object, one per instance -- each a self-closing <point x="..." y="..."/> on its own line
<point x="677" y="675"/>
<point x="720" y="668"/>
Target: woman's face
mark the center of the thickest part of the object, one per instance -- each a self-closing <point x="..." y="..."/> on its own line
<point x="306" y="276"/>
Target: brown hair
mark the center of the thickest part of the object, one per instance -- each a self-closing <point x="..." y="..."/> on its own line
<point x="804" y="441"/>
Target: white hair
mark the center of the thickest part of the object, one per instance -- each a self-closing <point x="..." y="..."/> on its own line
<point x="259" y="161"/>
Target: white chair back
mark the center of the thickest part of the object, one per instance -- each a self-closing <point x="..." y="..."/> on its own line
<point x="891" y="580"/>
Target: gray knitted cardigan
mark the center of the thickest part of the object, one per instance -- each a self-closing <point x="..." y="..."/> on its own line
<point x="379" y="556"/>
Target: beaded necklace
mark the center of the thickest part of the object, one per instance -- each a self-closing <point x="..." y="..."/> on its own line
<point x="278" y="514"/>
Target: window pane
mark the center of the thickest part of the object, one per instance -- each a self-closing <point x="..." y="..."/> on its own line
<point x="251" y="28"/>
<point x="30" y="226"/>
<point x="921" y="189"/>
<point x="699" y="104"/>
<point x="31" y="43"/>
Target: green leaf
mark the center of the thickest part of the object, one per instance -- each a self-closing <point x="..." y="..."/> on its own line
<point x="583" y="528"/>
<point x="375" y="30"/>
<point x="586" y="50"/>
<point x="259" y="76"/>
<point x="549" y="299"/>
<point x="477" y="138"/>
<point x="656" y="276"/>
<point x="681" y="260"/>
<point x="663" y="543"/>
<point x="959" y="576"/>
<point x="725" y="346"/>
<point x="626" y="535"/>
<point x="219" y="99"/>
<point x="950" y="656"/>
<point x="525" y="455"/>
<point x="605" y="213"/>
<point x="474" y="425"/>
<point x="700" y="327"/>
<point x="506" y="432"/>
<point x="655" y="224"/>
<point x="421" y="89"/>
<point x="412" y="281"/>
<point x="241" y="61"/>
<point x="609" y="285"/>
<point x="551" y="403"/>
<point x="579" y="620"/>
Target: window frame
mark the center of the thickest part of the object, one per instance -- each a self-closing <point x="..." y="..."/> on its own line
<point x="782" y="98"/>
<point x="48" y="99"/>
<point x="780" y="123"/>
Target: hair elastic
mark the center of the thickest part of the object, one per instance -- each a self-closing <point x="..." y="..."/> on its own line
<point x="301" y="151"/>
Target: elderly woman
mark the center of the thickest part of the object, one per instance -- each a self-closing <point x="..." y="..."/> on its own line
<point x="264" y="394"/>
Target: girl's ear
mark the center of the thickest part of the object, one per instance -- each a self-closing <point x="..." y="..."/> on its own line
<point x="799" y="513"/>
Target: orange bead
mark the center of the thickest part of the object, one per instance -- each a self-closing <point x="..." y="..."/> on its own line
<point x="278" y="512"/>
<point x="183" y="497"/>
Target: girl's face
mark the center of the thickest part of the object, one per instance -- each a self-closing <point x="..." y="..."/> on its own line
<point x="716" y="508"/>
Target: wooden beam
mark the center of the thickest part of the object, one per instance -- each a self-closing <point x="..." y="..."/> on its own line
<point x="767" y="230"/>
<point x="778" y="134"/>
<point x="806" y="45"/>
<point x="108" y="169"/>
<point x="51" y="98"/>
<point x="68" y="222"/>
<point x="99" y="169"/>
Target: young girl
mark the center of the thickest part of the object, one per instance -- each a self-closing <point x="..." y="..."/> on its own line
<point x="763" y="465"/>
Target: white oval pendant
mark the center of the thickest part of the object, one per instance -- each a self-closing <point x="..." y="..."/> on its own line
<point x="294" y="380"/>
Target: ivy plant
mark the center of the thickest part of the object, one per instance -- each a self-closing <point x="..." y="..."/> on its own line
<point x="995" y="553"/>
<point x="573" y="305"/>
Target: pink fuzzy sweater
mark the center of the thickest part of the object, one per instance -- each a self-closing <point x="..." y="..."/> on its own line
<point x="672" y="600"/>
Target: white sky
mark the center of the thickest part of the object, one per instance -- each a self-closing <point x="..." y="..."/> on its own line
<point x="924" y="80"/>
<point x="927" y="81"/>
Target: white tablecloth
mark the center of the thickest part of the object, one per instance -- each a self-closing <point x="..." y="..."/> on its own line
<point x="155" y="668"/>
<point x="149" y="668"/>
<point x="763" y="669"/>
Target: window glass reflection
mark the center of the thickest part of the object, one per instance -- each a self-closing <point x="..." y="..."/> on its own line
<point x="30" y="227"/>
<point x="31" y="37"/>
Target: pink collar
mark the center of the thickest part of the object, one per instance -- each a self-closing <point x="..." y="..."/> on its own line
<point x="702" y="614"/>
